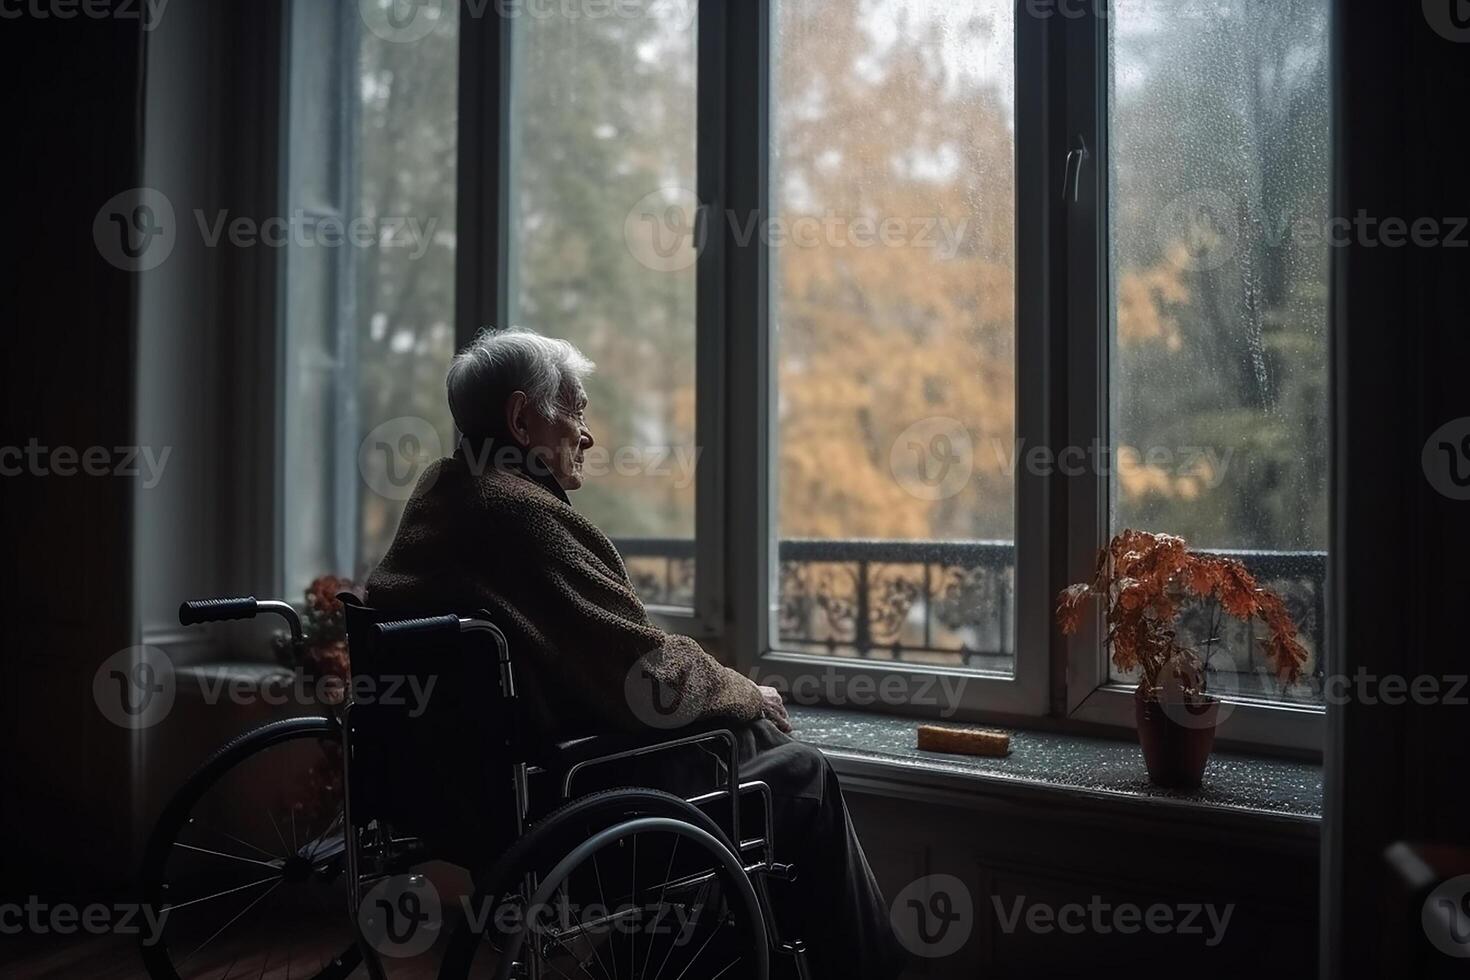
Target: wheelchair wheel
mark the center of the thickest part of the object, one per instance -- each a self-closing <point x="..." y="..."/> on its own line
<point x="625" y="882"/>
<point x="245" y="867"/>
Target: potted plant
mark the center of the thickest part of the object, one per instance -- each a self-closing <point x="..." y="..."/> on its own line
<point x="1144" y="578"/>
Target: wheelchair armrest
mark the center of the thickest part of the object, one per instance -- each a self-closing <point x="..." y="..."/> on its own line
<point x="567" y="758"/>
<point x="563" y="755"/>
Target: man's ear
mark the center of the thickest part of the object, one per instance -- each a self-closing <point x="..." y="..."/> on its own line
<point x="516" y="407"/>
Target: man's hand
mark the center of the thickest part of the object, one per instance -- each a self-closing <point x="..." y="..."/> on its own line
<point x="774" y="709"/>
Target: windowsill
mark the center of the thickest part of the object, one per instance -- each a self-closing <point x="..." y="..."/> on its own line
<point x="879" y="749"/>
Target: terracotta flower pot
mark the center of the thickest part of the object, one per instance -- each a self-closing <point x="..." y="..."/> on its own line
<point x="1176" y="736"/>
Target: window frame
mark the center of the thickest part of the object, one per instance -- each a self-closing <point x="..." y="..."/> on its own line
<point x="340" y="533"/>
<point x="1063" y="311"/>
<point x="1091" y="694"/>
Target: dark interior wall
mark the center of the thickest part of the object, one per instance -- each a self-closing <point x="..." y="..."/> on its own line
<point x="72" y="99"/>
<point x="1401" y="548"/>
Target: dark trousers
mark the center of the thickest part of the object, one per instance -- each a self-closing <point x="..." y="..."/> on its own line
<point x="834" y="905"/>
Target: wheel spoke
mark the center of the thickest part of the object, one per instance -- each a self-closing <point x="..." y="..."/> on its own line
<point x="227" y="891"/>
<point x="663" y="889"/>
<point x="698" y="903"/>
<point x="258" y="899"/>
<point x="273" y="865"/>
<point x="611" y="946"/>
<point x="705" y="945"/>
<point x="277" y="828"/>
<point x="727" y="967"/>
<point x="311" y="845"/>
<point x="567" y="903"/>
<point x="633" y="893"/>
<point x="228" y="836"/>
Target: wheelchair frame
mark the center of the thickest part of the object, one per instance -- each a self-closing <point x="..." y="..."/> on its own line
<point x="399" y="633"/>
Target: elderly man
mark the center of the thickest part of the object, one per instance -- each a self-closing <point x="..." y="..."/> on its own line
<point x="493" y="528"/>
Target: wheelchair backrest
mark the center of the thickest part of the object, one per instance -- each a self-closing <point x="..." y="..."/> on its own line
<point x="431" y="731"/>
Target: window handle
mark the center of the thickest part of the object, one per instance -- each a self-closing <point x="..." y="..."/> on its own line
<point x="1080" y="155"/>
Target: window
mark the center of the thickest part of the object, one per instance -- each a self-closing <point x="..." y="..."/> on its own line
<point x="1218" y="148"/>
<point x="369" y="294"/>
<point x="872" y="265"/>
<point x="893" y="266"/>
<point x="603" y="252"/>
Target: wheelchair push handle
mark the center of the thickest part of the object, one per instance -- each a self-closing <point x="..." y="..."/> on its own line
<point x="196" y="611"/>
<point x="406" y="631"/>
<point x="214" y="610"/>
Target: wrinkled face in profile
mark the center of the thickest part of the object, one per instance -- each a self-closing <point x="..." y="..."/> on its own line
<point x="558" y="443"/>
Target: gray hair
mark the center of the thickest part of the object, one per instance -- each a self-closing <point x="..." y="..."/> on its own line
<point x="499" y="362"/>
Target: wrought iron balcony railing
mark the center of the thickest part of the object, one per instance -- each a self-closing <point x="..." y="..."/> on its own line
<point x="951" y="603"/>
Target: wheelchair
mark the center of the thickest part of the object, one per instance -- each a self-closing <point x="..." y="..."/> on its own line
<point x="298" y="849"/>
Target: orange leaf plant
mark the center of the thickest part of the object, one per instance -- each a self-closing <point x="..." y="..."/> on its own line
<point x="1144" y="579"/>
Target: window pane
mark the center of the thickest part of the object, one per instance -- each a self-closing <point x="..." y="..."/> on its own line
<point x="1220" y="156"/>
<point x="407" y="101"/>
<point x="603" y="130"/>
<point x="893" y="187"/>
<point x="369" y="276"/>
